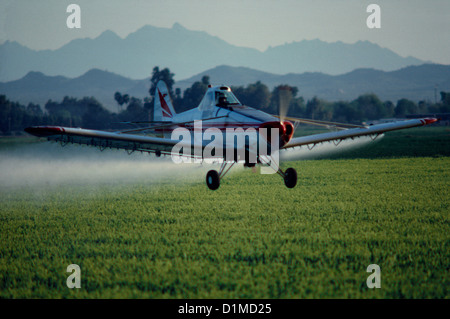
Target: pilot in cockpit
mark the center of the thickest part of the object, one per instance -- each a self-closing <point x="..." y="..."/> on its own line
<point x="222" y="101"/>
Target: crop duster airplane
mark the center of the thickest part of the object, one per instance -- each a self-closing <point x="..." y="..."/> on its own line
<point x="261" y="135"/>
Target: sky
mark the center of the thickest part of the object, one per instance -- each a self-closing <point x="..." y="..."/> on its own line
<point x="408" y="27"/>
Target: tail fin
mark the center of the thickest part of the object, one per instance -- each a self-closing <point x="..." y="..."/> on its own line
<point x="163" y="108"/>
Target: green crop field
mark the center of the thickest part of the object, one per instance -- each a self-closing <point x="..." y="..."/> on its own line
<point x="386" y="204"/>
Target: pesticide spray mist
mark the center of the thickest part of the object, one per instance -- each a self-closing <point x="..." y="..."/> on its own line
<point x="326" y="148"/>
<point x="49" y="164"/>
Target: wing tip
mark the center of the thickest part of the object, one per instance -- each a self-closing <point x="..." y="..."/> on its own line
<point x="430" y="120"/>
<point x="43" y="131"/>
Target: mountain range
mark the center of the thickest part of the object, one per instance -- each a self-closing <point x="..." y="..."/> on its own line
<point x="423" y="82"/>
<point x="188" y="52"/>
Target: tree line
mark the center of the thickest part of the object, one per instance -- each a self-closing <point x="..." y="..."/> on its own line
<point x="87" y="112"/>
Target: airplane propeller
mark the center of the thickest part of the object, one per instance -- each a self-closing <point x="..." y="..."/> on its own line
<point x="283" y="102"/>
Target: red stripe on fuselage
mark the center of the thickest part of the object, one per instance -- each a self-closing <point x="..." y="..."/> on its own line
<point x="220" y="126"/>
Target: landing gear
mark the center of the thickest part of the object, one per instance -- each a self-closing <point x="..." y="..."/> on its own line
<point x="213" y="177"/>
<point x="290" y="177"/>
<point x="213" y="180"/>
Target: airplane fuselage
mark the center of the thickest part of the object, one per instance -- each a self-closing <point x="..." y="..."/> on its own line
<point x="223" y="116"/>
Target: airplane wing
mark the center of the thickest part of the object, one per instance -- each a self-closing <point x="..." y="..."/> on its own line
<point x="158" y="145"/>
<point x="371" y="130"/>
<point x="103" y="139"/>
<point x="118" y="140"/>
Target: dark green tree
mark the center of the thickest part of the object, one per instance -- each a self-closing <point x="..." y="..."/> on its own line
<point x="118" y="98"/>
<point x="96" y="116"/>
<point x="256" y="95"/>
<point x="370" y="107"/>
<point x="445" y="101"/>
<point x="193" y="96"/>
<point x="390" y="108"/>
<point x="345" y="112"/>
<point x="318" y="109"/>
<point x="281" y="98"/>
<point x="178" y="100"/>
<point x="121" y="99"/>
<point x="405" y="107"/>
<point x="164" y="75"/>
<point x="34" y="110"/>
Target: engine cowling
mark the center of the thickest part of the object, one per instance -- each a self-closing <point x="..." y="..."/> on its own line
<point x="285" y="131"/>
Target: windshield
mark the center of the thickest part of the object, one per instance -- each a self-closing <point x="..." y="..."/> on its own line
<point x="224" y="98"/>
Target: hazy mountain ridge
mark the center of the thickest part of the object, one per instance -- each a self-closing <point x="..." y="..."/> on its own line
<point x="38" y="88"/>
<point x="415" y="83"/>
<point x="188" y="52"/>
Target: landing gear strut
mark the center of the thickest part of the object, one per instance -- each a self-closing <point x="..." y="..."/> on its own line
<point x="289" y="175"/>
<point x="213" y="177"/>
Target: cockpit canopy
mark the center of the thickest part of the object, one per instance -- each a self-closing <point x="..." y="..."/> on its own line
<point x="220" y="96"/>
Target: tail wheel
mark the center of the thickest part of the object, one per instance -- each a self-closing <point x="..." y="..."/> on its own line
<point x="213" y="180"/>
<point x="290" y="178"/>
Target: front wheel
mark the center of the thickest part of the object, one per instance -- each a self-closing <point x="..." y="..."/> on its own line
<point x="290" y="177"/>
<point x="213" y="180"/>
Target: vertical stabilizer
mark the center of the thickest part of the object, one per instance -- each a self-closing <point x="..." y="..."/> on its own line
<point x="163" y="108"/>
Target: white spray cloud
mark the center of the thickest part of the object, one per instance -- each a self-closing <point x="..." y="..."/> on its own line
<point x="51" y="164"/>
<point x="44" y="164"/>
<point x="326" y="148"/>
